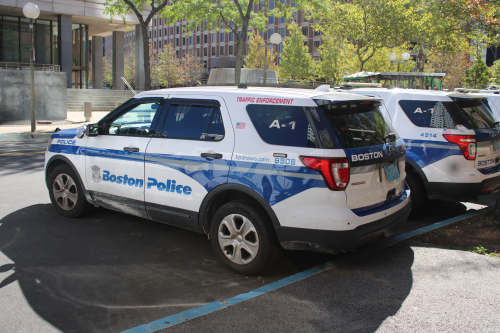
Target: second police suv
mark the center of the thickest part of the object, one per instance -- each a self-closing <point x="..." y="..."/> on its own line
<point x="452" y="141"/>
<point x="256" y="169"/>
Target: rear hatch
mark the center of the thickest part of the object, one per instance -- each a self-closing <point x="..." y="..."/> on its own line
<point x="475" y="115"/>
<point x="374" y="150"/>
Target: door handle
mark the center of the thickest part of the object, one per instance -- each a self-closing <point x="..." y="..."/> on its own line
<point x="131" y="149"/>
<point x="211" y="155"/>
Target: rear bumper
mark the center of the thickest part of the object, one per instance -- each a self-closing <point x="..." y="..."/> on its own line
<point x="333" y="241"/>
<point x="462" y="191"/>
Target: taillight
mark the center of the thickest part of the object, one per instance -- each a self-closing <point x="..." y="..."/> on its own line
<point x="466" y="142"/>
<point x="335" y="171"/>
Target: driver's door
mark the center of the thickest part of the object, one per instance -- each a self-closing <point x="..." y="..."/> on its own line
<point x="114" y="161"/>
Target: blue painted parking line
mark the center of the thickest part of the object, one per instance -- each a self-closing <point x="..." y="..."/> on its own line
<point x="215" y="306"/>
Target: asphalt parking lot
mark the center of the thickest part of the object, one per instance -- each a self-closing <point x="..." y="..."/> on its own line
<point x="109" y="272"/>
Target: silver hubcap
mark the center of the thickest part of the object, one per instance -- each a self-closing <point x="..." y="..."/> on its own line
<point x="238" y="239"/>
<point x="65" y="192"/>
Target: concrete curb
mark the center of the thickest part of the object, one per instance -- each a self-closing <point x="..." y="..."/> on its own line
<point x="18" y="136"/>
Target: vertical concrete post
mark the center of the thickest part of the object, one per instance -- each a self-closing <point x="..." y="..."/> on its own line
<point x="139" y="59"/>
<point x="118" y="59"/>
<point x="87" y="107"/>
<point x="97" y="63"/>
<point x="65" y="42"/>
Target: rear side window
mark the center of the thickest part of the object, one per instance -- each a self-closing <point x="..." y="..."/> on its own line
<point x="471" y="113"/>
<point x="194" y="122"/>
<point x="293" y="126"/>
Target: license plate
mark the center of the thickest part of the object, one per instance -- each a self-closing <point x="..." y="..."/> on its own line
<point x="496" y="145"/>
<point x="392" y="172"/>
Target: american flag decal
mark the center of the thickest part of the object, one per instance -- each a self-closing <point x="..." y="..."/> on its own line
<point x="240" y="125"/>
<point x="446" y="130"/>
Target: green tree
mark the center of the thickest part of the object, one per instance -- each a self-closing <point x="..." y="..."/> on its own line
<point x="166" y="70"/>
<point x="369" y="25"/>
<point x="192" y="70"/>
<point x="125" y="7"/>
<point x="495" y="70"/>
<point x="129" y="66"/>
<point x="235" y="16"/>
<point x="297" y="63"/>
<point x="256" y="54"/>
<point x="477" y="76"/>
<point x="108" y="71"/>
<point x="335" y="61"/>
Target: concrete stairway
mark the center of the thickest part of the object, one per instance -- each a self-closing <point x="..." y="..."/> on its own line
<point x="102" y="99"/>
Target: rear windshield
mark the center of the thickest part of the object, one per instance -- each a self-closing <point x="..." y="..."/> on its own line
<point x="471" y="113"/>
<point x="359" y="124"/>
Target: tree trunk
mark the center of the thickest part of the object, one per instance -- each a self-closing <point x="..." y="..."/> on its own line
<point x="147" y="67"/>
<point x="240" y="44"/>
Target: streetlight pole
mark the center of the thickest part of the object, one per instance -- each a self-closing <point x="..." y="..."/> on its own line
<point x="393" y="57"/>
<point x="32" y="12"/>
<point x="275" y="39"/>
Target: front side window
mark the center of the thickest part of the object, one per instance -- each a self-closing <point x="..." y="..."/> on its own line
<point x="285" y="125"/>
<point x="194" y="122"/>
<point x="136" y="121"/>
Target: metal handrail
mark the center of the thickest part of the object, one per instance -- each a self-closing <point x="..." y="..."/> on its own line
<point x="128" y="85"/>
<point x="26" y="66"/>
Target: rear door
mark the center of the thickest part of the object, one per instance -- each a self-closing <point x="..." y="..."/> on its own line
<point x="375" y="152"/>
<point x="190" y="156"/>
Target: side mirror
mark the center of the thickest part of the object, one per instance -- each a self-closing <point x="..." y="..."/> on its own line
<point x="92" y="130"/>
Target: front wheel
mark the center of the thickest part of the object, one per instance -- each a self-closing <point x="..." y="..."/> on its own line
<point x="242" y="236"/>
<point x="66" y="193"/>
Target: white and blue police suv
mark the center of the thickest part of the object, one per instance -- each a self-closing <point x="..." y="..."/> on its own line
<point x="256" y="169"/>
<point x="452" y="142"/>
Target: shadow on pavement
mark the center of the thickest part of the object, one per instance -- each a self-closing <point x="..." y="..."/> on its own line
<point x="110" y="271"/>
<point x="22" y="164"/>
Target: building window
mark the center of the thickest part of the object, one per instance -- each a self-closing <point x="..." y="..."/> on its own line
<point x="149" y="33"/>
<point x="270" y="33"/>
<point x="177" y="53"/>
<point x="304" y="18"/>
<point x="205" y="64"/>
<point x="154" y="46"/>
<point x="222" y="37"/>
<point x="159" y="44"/>
<point x="154" y="34"/>
<point x="159" y="32"/>
<point x="221" y="50"/>
<point x="271" y="19"/>
<point x="198" y="39"/>
<point x="213" y="51"/>
<point x="198" y="52"/>
<point x="177" y="29"/>
<point x="205" y="52"/>
<point x="231" y="37"/>
<point x="166" y="31"/>
<point x="282" y="20"/>
<point x="317" y="33"/>
<point x="214" y="38"/>
<point x="305" y="31"/>
<point x="154" y="22"/>
<point x="198" y="28"/>
<point x="183" y="41"/>
<point x="190" y="40"/>
<point x="282" y="32"/>
<point x="231" y="48"/>
<point x="171" y="30"/>
<point x="205" y="39"/>
<point x="177" y="41"/>
<point x="317" y="44"/>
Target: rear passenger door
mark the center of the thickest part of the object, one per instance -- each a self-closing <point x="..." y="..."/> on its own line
<point x="189" y="157"/>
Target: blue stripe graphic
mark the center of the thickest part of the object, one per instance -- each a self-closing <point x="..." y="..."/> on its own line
<point x="427" y="152"/>
<point x="65" y="134"/>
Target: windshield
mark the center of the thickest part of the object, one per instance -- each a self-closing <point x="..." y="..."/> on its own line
<point x="358" y="123"/>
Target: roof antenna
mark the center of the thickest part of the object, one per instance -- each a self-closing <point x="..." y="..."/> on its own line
<point x="242" y="86"/>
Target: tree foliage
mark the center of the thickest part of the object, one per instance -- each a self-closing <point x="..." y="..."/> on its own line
<point x="297" y="63"/>
<point x="122" y="8"/>
<point x="477" y="76"/>
<point x="453" y="64"/>
<point x="256" y="54"/>
<point x="236" y="16"/>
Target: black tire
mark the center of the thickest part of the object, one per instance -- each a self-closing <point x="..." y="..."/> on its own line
<point x="264" y="237"/>
<point x="73" y="204"/>
<point x="417" y="195"/>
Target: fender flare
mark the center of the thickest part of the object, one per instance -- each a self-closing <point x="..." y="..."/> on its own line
<point x="418" y="169"/>
<point x="235" y="187"/>
<point x="71" y="165"/>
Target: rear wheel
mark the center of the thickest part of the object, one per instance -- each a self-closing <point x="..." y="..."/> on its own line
<point x="417" y="192"/>
<point x="242" y="236"/>
<point x="66" y="193"/>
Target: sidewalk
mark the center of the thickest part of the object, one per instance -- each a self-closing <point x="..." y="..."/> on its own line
<point x="22" y="129"/>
